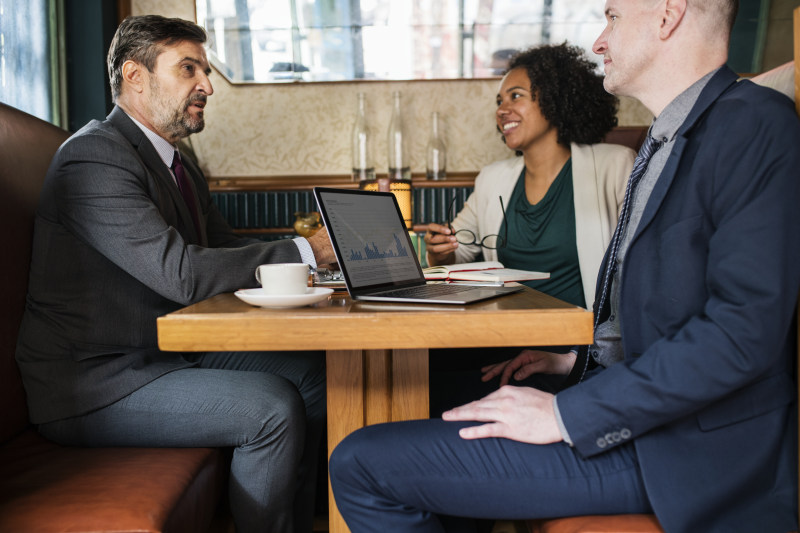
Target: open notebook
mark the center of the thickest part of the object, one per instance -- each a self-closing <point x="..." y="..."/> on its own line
<point x="375" y="253"/>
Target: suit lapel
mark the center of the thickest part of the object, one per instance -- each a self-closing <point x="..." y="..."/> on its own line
<point x="718" y="84"/>
<point x="159" y="171"/>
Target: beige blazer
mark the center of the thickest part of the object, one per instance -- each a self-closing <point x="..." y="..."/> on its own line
<point x="599" y="174"/>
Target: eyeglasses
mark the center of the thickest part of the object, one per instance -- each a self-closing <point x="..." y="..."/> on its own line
<point x="467" y="237"/>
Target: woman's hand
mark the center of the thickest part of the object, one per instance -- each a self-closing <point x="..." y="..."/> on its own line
<point x="530" y="362"/>
<point x="440" y="245"/>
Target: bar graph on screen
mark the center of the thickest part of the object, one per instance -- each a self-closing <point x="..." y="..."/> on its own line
<point x="372" y="251"/>
<point x="371" y="236"/>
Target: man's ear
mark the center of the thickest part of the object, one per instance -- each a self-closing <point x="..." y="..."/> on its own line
<point x="672" y="15"/>
<point x="133" y="75"/>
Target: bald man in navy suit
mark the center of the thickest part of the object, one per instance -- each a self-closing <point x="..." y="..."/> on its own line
<point x="685" y="405"/>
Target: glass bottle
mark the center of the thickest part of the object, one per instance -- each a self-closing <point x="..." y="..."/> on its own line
<point x="363" y="169"/>
<point x="436" y="156"/>
<point x="399" y="160"/>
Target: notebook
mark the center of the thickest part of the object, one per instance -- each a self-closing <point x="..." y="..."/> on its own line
<point x="375" y="253"/>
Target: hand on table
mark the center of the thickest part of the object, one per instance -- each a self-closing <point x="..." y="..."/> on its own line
<point x="440" y="245"/>
<point x="523" y="414"/>
<point x="321" y="245"/>
<point x="530" y="362"/>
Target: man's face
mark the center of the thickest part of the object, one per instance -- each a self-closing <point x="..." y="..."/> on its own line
<point x="178" y="88"/>
<point x="627" y="44"/>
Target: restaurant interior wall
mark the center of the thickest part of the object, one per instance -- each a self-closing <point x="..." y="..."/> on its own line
<point x="303" y="129"/>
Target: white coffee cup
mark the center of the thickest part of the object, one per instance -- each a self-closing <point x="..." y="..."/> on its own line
<point x="283" y="278"/>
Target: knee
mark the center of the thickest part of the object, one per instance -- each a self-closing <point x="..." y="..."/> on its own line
<point x="348" y="459"/>
<point x="289" y="409"/>
<point x="282" y="414"/>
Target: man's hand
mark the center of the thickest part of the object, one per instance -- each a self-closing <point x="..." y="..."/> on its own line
<point x="530" y="362"/>
<point x="320" y="244"/>
<point x="523" y="414"/>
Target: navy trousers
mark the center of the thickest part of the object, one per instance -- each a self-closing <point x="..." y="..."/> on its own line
<point x="409" y="476"/>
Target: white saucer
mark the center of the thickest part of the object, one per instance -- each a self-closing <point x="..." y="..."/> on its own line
<point x="259" y="298"/>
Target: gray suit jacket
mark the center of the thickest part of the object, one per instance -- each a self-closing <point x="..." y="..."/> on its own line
<point x="114" y="248"/>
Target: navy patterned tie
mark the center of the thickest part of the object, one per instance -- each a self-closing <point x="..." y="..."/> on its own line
<point x="647" y="150"/>
<point x="186" y="189"/>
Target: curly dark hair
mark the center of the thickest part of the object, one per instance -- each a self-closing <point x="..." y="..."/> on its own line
<point x="569" y="91"/>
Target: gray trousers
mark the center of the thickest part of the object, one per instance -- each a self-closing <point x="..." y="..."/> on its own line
<point x="268" y="406"/>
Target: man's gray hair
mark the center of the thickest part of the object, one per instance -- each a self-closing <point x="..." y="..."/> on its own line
<point x="141" y="38"/>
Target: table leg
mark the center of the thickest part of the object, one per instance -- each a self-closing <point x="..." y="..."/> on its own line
<point x="370" y="387"/>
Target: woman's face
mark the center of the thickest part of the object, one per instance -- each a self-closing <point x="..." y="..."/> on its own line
<point x="518" y="115"/>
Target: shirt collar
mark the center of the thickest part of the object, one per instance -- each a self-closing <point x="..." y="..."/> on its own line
<point x="165" y="149"/>
<point x="666" y="125"/>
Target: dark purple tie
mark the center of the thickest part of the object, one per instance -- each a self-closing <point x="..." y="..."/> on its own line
<point x="186" y="189"/>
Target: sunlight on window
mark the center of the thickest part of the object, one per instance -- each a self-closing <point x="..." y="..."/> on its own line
<point x="311" y="40"/>
<point x="25" y="79"/>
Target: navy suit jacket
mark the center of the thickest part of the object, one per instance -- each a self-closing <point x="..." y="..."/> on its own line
<point x="114" y="248"/>
<point x="706" y="390"/>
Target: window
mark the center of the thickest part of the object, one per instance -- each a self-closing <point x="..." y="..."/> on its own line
<point x="28" y="57"/>
<point x="332" y="40"/>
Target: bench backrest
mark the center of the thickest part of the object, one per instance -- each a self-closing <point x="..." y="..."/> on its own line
<point x="27" y="145"/>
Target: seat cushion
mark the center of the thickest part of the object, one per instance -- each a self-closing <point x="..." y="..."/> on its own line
<point x="49" y="488"/>
<point x="624" y="523"/>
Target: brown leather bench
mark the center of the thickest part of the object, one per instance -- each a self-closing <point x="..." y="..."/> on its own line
<point x="45" y="487"/>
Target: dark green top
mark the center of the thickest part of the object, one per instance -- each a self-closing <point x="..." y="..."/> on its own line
<point x="542" y="237"/>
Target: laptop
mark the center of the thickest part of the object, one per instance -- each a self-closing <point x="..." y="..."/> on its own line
<point x="375" y="253"/>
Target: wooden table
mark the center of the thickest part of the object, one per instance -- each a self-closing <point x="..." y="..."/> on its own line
<point x="377" y="353"/>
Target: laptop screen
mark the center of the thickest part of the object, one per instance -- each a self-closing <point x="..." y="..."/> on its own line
<point x="369" y="238"/>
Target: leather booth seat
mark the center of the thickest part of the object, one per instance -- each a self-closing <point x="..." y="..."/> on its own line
<point x="48" y="488"/>
<point x="624" y="523"/>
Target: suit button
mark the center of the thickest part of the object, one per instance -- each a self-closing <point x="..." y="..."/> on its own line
<point x="616" y="436"/>
<point x="601" y="442"/>
<point x="625" y="433"/>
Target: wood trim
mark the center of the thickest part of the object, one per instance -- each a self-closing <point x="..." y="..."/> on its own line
<point x="123" y="9"/>
<point x="797" y="59"/>
<point x="306" y="182"/>
<point x="796" y="28"/>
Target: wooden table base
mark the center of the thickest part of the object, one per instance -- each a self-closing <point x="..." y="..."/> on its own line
<point x="370" y="387"/>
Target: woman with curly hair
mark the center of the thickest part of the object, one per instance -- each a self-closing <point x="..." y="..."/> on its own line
<point x="561" y="193"/>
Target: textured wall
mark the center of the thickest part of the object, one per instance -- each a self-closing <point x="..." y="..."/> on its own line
<point x="304" y="129"/>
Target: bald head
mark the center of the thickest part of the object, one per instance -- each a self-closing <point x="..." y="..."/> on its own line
<point x="654" y="49"/>
<point x="717" y="16"/>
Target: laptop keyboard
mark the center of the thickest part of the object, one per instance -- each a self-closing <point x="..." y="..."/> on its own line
<point x="426" y="291"/>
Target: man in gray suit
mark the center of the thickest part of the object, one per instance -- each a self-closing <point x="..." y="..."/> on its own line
<point x="117" y="244"/>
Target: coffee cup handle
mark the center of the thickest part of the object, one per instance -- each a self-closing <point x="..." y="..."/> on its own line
<point x="258" y="277"/>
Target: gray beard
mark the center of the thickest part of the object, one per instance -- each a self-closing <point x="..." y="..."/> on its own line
<point x="181" y="125"/>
